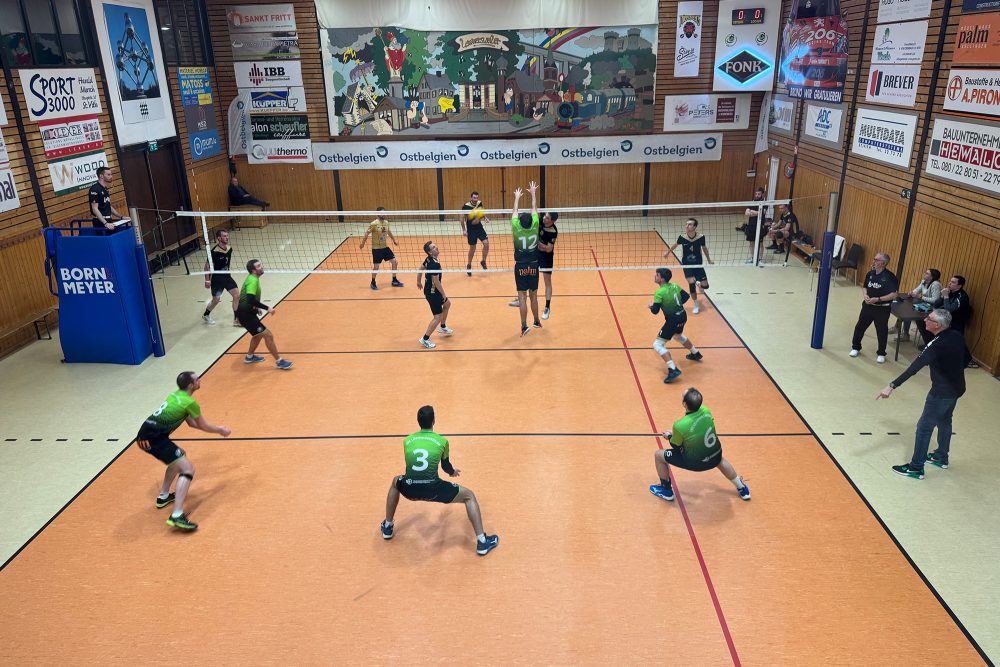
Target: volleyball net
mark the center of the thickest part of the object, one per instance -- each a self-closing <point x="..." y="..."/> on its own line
<point x="589" y="238"/>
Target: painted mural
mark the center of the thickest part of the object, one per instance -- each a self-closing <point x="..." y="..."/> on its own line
<point x="392" y="80"/>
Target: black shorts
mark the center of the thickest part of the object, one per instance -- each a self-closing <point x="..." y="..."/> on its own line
<point x="250" y="322"/>
<point x="751" y="231"/>
<point x="674" y="326"/>
<point x="476" y="232"/>
<point x="436" y="302"/>
<point x="545" y="260"/>
<point x="430" y="490"/>
<point x="380" y="255"/>
<point x="159" y="445"/>
<point x="526" y="276"/>
<point x="222" y="282"/>
<point x="676" y="458"/>
<point x="698" y="274"/>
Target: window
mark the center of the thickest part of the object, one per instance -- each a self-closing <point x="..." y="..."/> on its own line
<point x="184" y="41"/>
<point x="41" y="32"/>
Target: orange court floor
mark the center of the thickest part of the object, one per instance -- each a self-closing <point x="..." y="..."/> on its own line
<point x="554" y="432"/>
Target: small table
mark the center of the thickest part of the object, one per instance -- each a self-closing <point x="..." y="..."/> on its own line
<point x="903" y="311"/>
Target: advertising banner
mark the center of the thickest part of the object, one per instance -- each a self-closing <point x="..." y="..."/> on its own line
<point x="760" y="142"/>
<point x="706" y="112"/>
<point x="239" y="123"/>
<point x="814" y="52"/>
<point x="8" y="191"/>
<point x="265" y="46"/>
<point x="980" y="6"/>
<point x="973" y="91"/>
<point x="279" y="151"/>
<point x="277" y="100"/>
<point x="893" y="84"/>
<point x="69" y="136"/>
<point x="903" y="10"/>
<point x="59" y="93"/>
<point x="268" y="74"/>
<point x="518" y="152"/>
<point x="899" y="43"/>
<point x="978" y="40"/>
<point x="260" y="18"/>
<point x="884" y="136"/>
<point x="965" y="152"/>
<point x="824" y="125"/>
<point x="687" y="49"/>
<point x="279" y="126"/>
<point x="75" y="173"/>
<point x="4" y="156"/>
<point x="781" y="117"/>
<point x="196" y="86"/>
<point x="3" y="113"/>
<point x="746" y="45"/>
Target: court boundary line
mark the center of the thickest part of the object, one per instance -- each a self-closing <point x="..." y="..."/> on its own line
<point x="494" y="349"/>
<point x="397" y="436"/>
<point x="680" y="500"/>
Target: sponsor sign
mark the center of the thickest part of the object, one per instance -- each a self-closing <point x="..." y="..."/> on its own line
<point x="260" y="18"/>
<point x="279" y="126"/>
<point x="8" y="191"/>
<point x="760" y="142"/>
<point x="69" y="136"/>
<point x="86" y="280"/>
<point x="893" y="84"/>
<point x="265" y="46"/>
<point x="687" y="49"/>
<point x="814" y="53"/>
<point x="706" y="112"/>
<point x="973" y="91"/>
<point x="824" y="125"/>
<point x="884" y="136"/>
<point x="76" y="173"/>
<point x="518" y="152"/>
<point x="3" y="113"/>
<point x="204" y="144"/>
<point x="268" y="74"/>
<point x="745" y="52"/>
<point x="903" y="10"/>
<point x="200" y="119"/>
<point x="278" y="151"/>
<point x="781" y="116"/>
<point x="899" y="43"/>
<point x="59" y="93"/>
<point x="978" y="41"/>
<point x="980" y="6"/>
<point x="277" y="100"/>
<point x="966" y="152"/>
<point x="4" y="156"/>
<point x="196" y="86"/>
<point x="239" y="123"/>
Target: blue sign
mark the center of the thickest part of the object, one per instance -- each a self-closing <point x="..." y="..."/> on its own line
<point x="980" y="6"/>
<point x="204" y="144"/>
<point x="196" y="86"/>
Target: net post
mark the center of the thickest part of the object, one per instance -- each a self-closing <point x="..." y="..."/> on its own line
<point x="825" y="269"/>
<point x="208" y="242"/>
<point x="756" y="234"/>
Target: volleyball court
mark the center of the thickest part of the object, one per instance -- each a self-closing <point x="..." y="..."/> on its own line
<point x="554" y="432"/>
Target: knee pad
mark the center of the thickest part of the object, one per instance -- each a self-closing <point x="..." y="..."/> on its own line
<point x="660" y="346"/>
<point x="680" y="338"/>
<point x="189" y="476"/>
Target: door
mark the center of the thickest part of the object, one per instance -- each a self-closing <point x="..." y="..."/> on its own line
<point x="154" y="186"/>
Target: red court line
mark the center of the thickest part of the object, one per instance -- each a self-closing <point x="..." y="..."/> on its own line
<point x="680" y="500"/>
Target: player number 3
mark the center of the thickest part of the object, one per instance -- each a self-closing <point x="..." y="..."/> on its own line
<point x="421" y="455"/>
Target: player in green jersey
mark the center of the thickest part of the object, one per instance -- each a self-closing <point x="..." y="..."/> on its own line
<point x="154" y="438"/>
<point x="670" y="298"/>
<point x="525" y="230"/>
<point x="246" y="313"/>
<point x="424" y="450"/>
<point x="695" y="446"/>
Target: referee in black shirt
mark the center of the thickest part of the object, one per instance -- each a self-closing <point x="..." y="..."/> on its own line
<point x="100" y="201"/>
<point x="944" y="354"/>
<point x="879" y="289"/>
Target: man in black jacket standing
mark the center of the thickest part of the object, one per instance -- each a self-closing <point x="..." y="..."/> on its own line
<point x="944" y="355"/>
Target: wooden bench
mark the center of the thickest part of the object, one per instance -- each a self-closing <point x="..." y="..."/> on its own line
<point x="40" y="320"/>
<point x="256" y="221"/>
<point x="808" y="252"/>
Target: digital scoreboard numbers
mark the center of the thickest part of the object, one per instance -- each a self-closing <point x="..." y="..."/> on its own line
<point x="748" y="16"/>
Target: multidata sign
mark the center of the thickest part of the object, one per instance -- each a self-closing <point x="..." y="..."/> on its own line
<point x="746" y="45"/>
<point x="966" y="152"/>
<point x="59" y="93"/>
<point x="899" y="43"/>
<point x="884" y="136"/>
<point x="903" y="10"/>
<point x="973" y="91"/>
<point x="518" y="152"/>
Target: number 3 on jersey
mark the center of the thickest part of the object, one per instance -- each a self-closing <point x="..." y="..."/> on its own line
<point x="421" y="463"/>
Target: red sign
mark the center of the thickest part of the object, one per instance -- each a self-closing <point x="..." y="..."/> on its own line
<point x="978" y="41"/>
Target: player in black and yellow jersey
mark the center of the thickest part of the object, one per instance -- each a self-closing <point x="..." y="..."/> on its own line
<point x="473" y="230"/>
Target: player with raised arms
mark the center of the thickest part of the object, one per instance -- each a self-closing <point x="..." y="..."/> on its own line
<point x="525" y="230"/>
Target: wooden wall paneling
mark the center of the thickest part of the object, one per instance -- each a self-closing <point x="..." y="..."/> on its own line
<point x="24" y="291"/>
<point x="495" y="185"/>
<point x="873" y="222"/>
<point x="682" y="182"/>
<point x="26" y="217"/>
<point x="593" y="185"/>
<point x="395" y="189"/>
<point x="811" y="201"/>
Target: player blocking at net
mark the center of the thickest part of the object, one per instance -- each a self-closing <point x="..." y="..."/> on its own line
<point x="525" y="227"/>
<point x="695" y="446"/>
<point x="424" y="451"/>
<point x="670" y="299"/>
<point x="692" y="245"/>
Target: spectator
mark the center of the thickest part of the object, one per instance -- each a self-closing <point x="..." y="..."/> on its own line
<point x="956" y="301"/>
<point x="238" y="196"/>
<point x="750" y="228"/>
<point x="928" y="292"/>
<point x="879" y="290"/>
<point x="943" y="354"/>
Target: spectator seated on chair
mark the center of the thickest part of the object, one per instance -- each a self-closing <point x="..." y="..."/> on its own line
<point x="781" y="232"/>
<point x="928" y="292"/>
<point x="238" y="196"/>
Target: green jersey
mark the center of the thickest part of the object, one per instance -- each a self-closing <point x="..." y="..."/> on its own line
<point x="525" y="240"/>
<point x="668" y="295"/>
<point x="424" y="451"/>
<point x="251" y="286"/>
<point x="695" y="432"/>
<point x="179" y="406"/>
